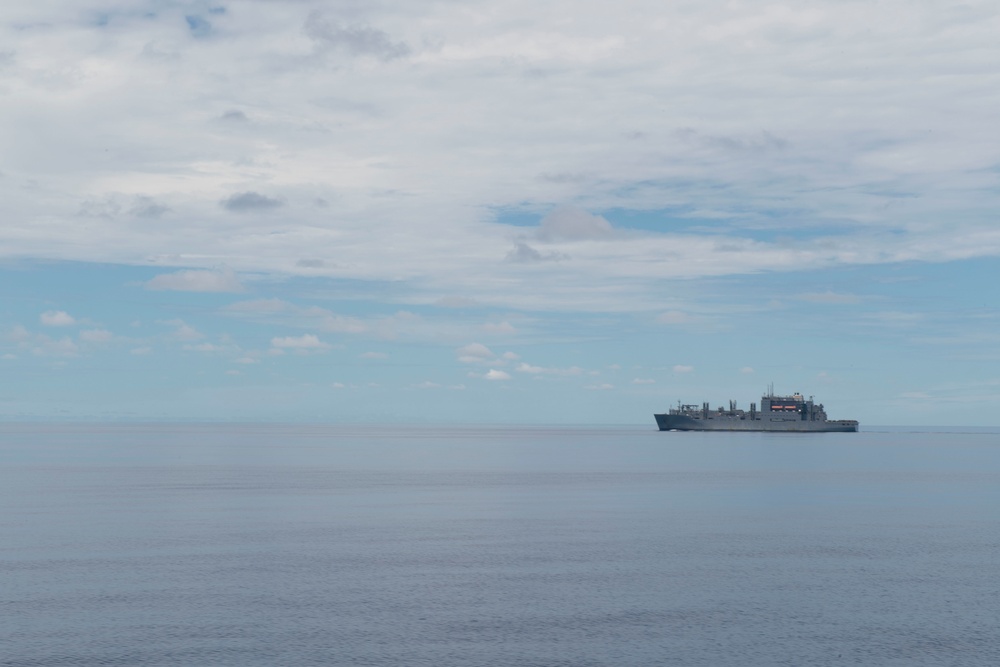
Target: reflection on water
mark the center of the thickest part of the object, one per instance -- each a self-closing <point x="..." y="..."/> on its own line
<point x="310" y="545"/>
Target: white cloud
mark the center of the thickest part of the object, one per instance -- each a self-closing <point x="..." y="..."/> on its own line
<point x="915" y="395"/>
<point x="305" y="342"/>
<point x="246" y="360"/>
<point x="528" y="368"/>
<point x="43" y="346"/>
<point x="427" y="384"/>
<point x="475" y="353"/>
<point x="96" y="336"/>
<point x="346" y="108"/>
<point x="571" y="223"/>
<point x="600" y="387"/>
<point x="522" y="253"/>
<point x="494" y="374"/>
<point x="18" y="334"/>
<point x="747" y="370"/>
<point x="680" y="368"/>
<point x="194" y="280"/>
<point x="203" y="347"/>
<point x="258" y="307"/>
<point x="896" y="318"/>
<point x="57" y="318"/>
<point x="829" y="297"/>
<point x="676" y="317"/>
<point x="503" y="328"/>
<point x="183" y="331"/>
<point x="643" y="381"/>
<point x="141" y="351"/>
<point x="542" y="370"/>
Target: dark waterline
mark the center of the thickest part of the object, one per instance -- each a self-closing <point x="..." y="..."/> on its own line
<point x="366" y="545"/>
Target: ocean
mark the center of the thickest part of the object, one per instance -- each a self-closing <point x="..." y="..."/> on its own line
<point x="249" y="545"/>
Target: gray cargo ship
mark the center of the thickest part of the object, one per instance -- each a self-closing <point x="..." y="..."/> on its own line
<point x="777" y="413"/>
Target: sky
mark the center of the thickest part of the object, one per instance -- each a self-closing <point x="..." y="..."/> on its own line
<point x="498" y="211"/>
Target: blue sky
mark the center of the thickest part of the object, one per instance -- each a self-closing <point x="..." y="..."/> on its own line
<point x="498" y="211"/>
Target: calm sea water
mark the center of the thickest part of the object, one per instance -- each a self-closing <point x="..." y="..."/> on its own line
<point x="330" y="545"/>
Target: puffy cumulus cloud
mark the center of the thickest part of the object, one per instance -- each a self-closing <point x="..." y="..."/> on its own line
<point x="475" y="353"/>
<point x="195" y="280"/>
<point x="57" y="318"/>
<point x="18" y="334"/>
<point x="303" y="343"/>
<point x="494" y="374"/>
<point x="63" y="347"/>
<point x="44" y="346"/>
<point x="40" y="344"/>
<point x="681" y="368"/>
<point x="571" y="223"/>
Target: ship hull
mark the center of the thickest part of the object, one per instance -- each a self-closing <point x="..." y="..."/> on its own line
<point x="668" y="422"/>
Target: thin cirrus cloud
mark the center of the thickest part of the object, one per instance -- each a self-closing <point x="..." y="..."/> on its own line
<point x="194" y="280"/>
<point x="305" y="342"/>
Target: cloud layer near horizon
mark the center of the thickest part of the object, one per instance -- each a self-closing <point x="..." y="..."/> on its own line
<point x="392" y="141"/>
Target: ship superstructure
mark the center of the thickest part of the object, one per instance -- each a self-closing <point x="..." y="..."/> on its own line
<point x="776" y="413"/>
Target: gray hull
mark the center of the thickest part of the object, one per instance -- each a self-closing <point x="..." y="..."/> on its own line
<point x="669" y="422"/>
